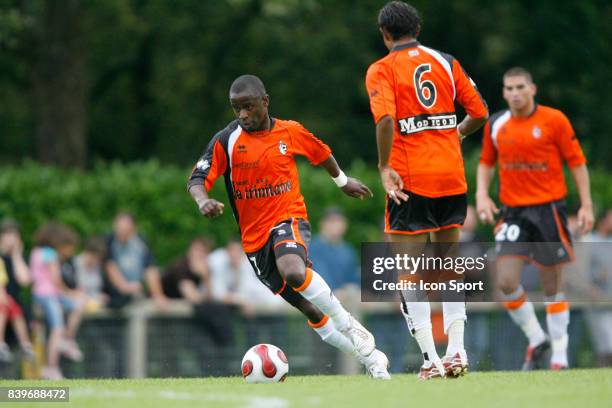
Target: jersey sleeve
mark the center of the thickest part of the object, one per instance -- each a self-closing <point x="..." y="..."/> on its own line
<point x="467" y="93"/>
<point x="488" y="155"/>
<point x="380" y="92"/>
<point x="567" y="142"/>
<point x="210" y="166"/>
<point x="306" y="144"/>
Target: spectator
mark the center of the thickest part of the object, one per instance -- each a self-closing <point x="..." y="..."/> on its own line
<point x="130" y="265"/>
<point x="600" y="319"/>
<point x="13" y="272"/>
<point x="332" y="257"/>
<point x="188" y="276"/>
<point x="234" y="282"/>
<point x="88" y="273"/>
<point x="52" y="242"/>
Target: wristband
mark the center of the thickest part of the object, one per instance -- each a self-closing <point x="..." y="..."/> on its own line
<point x="341" y="180"/>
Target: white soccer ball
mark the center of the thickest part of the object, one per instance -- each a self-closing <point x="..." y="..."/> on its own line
<point x="265" y="363"/>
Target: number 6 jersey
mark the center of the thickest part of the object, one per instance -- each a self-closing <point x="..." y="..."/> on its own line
<point x="417" y="86"/>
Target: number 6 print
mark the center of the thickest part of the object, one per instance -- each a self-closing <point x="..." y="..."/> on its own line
<point x="425" y="90"/>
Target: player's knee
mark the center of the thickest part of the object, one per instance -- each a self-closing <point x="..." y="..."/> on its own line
<point x="292" y="269"/>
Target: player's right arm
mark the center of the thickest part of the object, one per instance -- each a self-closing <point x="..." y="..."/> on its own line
<point x="206" y="171"/>
<point x="485" y="206"/>
<point x="382" y="104"/>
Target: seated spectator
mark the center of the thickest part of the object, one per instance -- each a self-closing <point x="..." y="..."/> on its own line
<point x="89" y="275"/>
<point x="332" y="257"/>
<point x="52" y="242"/>
<point x="14" y="274"/>
<point x="234" y="282"/>
<point x="187" y="277"/>
<point x="129" y="265"/>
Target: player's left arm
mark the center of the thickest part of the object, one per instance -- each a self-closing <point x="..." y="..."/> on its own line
<point x="471" y="100"/>
<point x="570" y="150"/>
<point x="306" y="144"/>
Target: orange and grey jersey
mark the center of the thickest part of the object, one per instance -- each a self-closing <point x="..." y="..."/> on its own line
<point x="530" y="152"/>
<point x="418" y="86"/>
<point x="260" y="174"/>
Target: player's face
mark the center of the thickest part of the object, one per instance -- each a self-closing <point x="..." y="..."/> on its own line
<point x="251" y="110"/>
<point x="519" y="92"/>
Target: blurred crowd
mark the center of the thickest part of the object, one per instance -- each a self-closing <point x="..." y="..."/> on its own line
<point x="65" y="277"/>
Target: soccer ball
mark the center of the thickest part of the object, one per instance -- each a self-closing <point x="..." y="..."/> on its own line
<point x="265" y="363"/>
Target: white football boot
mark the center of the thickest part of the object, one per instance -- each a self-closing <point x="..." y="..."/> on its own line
<point x="360" y="337"/>
<point x="376" y="365"/>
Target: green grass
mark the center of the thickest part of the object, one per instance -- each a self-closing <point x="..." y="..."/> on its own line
<point x="572" y="388"/>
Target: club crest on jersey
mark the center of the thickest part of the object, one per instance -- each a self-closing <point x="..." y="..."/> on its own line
<point x="202" y="164"/>
<point x="536" y="132"/>
<point x="282" y="147"/>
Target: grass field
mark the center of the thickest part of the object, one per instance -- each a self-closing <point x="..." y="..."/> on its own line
<point x="585" y="388"/>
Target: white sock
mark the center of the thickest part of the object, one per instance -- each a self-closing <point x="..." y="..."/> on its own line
<point x="417" y="315"/>
<point x="316" y="290"/>
<point x="332" y="336"/>
<point x="455" y="337"/>
<point x="424" y="338"/>
<point x="522" y="313"/>
<point x="557" y="320"/>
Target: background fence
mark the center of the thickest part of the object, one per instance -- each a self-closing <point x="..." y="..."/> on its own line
<point x="143" y="342"/>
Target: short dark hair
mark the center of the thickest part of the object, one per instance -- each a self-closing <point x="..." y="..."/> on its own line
<point x="518" y="71"/>
<point x="399" y="19"/>
<point x="250" y="83"/>
<point x="96" y="245"/>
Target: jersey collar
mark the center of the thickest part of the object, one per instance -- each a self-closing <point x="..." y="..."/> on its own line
<point x="411" y="44"/>
<point x="535" y="109"/>
<point x="265" y="131"/>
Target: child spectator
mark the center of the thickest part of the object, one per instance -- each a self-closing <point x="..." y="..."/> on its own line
<point x="188" y="276"/>
<point x="53" y="243"/>
<point x="13" y="274"/>
<point x="89" y="275"/>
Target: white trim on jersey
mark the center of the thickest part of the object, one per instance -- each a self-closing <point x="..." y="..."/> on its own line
<point x="497" y="125"/>
<point x="444" y="63"/>
<point x="230" y="146"/>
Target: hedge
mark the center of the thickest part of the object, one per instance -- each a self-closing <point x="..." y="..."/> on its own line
<point x="167" y="217"/>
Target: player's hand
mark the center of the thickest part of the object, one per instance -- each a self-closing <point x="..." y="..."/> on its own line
<point x="393" y="184"/>
<point x="486" y="209"/>
<point x="355" y="188"/>
<point x="211" y="208"/>
<point x="585" y="219"/>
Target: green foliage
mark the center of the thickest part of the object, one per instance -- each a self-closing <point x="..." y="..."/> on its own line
<point x="159" y="71"/>
<point x="156" y="194"/>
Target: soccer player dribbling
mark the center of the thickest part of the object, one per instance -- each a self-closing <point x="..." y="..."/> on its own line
<point x="255" y="154"/>
<point x="530" y="142"/>
<point x="412" y="92"/>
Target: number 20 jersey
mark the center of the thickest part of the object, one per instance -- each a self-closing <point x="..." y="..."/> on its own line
<point x="418" y="86"/>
